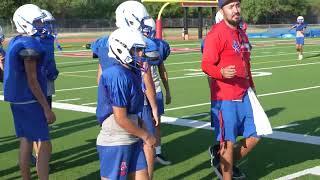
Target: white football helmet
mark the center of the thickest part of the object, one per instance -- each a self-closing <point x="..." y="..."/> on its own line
<point x="300" y="19"/>
<point x="27" y="19"/>
<point x="124" y="44"/>
<point x="1" y="35"/>
<point x="131" y="14"/>
<point x="49" y="22"/>
<point x="219" y="17"/>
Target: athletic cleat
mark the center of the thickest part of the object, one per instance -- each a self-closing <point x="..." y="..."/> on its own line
<point x="215" y="163"/>
<point x="162" y="160"/>
<point x="214" y="152"/>
<point x="215" y="160"/>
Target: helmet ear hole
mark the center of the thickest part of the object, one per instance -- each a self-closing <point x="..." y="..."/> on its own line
<point x="119" y="50"/>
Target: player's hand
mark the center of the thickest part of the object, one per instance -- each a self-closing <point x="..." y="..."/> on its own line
<point x="149" y="140"/>
<point x="229" y="71"/>
<point x="155" y="117"/>
<point x="50" y="116"/>
<point x="168" y="97"/>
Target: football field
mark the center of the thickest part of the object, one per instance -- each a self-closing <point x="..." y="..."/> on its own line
<point x="289" y="91"/>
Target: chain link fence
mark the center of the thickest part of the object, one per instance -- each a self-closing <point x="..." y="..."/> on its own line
<point x="169" y="24"/>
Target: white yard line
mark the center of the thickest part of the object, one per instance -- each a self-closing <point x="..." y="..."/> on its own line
<point x="287" y="126"/>
<point x="289" y="91"/>
<point x="266" y="68"/>
<point x="80" y="88"/>
<point x="314" y="171"/>
<point x="192" y="76"/>
<point x="262" y="56"/>
<point x="261" y="95"/>
<point x="185" y="107"/>
<point x="180" y="70"/>
<point x="184" y="77"/>
<point x="196" y="124"/>
<point x="67" y="100"/>
<point x="80" y="76"/>
<point x="286" y="66"/>
<point x="71" y="72"/>
<point x="195" y="115"/>
<point x="276" y="134"/>
<point x="191" y="62"/>
<point x="85" y="104"/>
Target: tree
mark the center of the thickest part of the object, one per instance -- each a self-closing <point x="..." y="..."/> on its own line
<point x="263" y="11"/>
<point x="255" y="11"/>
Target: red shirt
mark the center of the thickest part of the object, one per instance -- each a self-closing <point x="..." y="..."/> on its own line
<point x="223" y="47"/>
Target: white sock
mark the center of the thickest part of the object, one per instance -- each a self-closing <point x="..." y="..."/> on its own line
<point x="158" y="150"/>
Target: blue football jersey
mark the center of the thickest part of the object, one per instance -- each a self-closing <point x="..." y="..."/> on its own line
<point x="50" y="67"/>
<point x="15" y="86"/>
<point x="300" y="27"/>
<point x="120" y="87"/>
<point x="100" y="48"/>
<point x="162" y="47"/>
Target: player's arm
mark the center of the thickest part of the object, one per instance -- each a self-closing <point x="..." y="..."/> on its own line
<point x="123" y="121"/>
<point x="292" y="27"/>
<point x="165" y="81"/>
<point x="210" y="58"/>
<point x="99" y="72"/>
<point x="151" y="94"/>
<point x="30" y="62"/>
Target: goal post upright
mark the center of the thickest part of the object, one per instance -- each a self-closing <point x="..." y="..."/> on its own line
<point x="185" y="4"/>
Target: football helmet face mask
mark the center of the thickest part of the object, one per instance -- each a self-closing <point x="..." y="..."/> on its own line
<point x="148" y="27"/>
<point x="127" y="47"/>
<point x="49" y="23"/>
<point x="27" y="19"/>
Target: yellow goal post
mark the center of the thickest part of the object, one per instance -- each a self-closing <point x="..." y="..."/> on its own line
<point x="184" y="3"/>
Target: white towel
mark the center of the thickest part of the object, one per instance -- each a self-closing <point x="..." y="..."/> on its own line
<point x="261" y="120"/>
